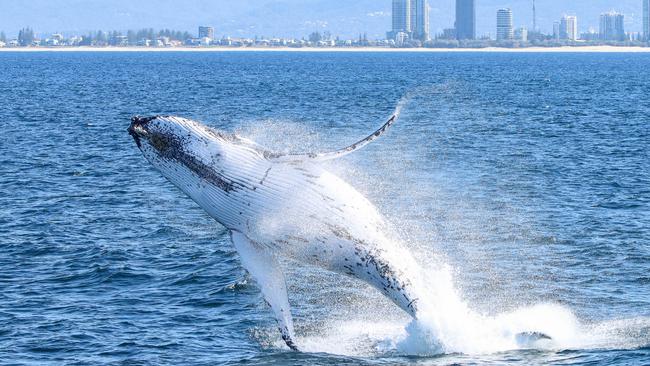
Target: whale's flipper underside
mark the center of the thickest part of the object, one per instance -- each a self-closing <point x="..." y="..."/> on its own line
<point x="323" y="156"/>
<point x="265" y="269"/>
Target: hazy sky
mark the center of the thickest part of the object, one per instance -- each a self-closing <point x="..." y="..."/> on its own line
<point x="285" y="18"/>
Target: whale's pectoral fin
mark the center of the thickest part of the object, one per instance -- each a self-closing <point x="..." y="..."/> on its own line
<point x="323" y="156"/>
<point x="265" y="269"/>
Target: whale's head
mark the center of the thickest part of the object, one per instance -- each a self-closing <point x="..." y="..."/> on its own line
<point x="163" y="137"/>
<point x="184" y="151"/>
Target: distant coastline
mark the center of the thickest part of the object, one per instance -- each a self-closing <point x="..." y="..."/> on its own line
<point x="564" y="49"/>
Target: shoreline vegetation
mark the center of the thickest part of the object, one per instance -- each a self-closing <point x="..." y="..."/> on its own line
<point x="565" y="49"/>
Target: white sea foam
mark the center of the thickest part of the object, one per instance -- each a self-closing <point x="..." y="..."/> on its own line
<point x="449" y="326"/>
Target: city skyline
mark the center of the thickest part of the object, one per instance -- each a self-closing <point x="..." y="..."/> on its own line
<point x="249" y="18"/>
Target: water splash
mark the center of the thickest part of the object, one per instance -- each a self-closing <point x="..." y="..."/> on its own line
<point x="450" y="326"/>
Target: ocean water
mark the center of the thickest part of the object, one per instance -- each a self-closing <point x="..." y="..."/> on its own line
<point x="521" y="182"/>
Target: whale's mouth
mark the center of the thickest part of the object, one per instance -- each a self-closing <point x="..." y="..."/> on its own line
<point x="138" y="128"/>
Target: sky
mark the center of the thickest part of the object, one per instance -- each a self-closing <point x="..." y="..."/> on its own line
<point x="286" y="18"/>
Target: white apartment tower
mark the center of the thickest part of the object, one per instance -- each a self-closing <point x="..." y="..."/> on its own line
<point x="206" y="32"/>
<point x="410" y="17"/>
<point x="504" y="25"/>
<point x="569" y="28"/>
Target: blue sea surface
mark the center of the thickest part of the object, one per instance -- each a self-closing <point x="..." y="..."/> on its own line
<point x="523" y="177"/>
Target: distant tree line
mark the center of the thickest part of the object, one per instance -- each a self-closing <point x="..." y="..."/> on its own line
<point x="26" y="36"/>
<point x="315" y="37"/>
<point x="132" y="36"/>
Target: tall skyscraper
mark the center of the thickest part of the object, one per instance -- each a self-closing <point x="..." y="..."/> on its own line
<point x="569" y="28"/>
<point x="401" y="16"/>
<point x="206" y="32"/>
<point x="504" y="25"/>
<point x="612" y="26"/>
<point x="466" y="19"/>
<point x="646" y="20"/>
<point x="420" y="20"/>
<point x="556" y="31"/>
<point x="410" y="17"/>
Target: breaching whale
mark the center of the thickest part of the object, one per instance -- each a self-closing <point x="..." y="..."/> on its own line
<point x="281" y="205"/>
<point x="278" y="203"/>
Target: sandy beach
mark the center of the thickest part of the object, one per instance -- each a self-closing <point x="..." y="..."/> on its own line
<point x="591" y="49"/>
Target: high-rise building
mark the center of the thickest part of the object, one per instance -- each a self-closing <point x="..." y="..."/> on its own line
<point x="411" y="19"/>
<point x="569" y="28"/>
<point x="466" y="19"/>
<point x="504" y="25"/>
<point x="401" y="16"/>
<point x="612" y="26"/>
<point x="646" y="20"/>
<point x="420" y="20"/>
<point x="521" y="34"/>
<point x="556" y="31"/>
<point x="206" y="32"/>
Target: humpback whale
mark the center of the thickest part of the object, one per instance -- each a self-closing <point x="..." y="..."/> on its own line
<point x="279" y="205"/>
